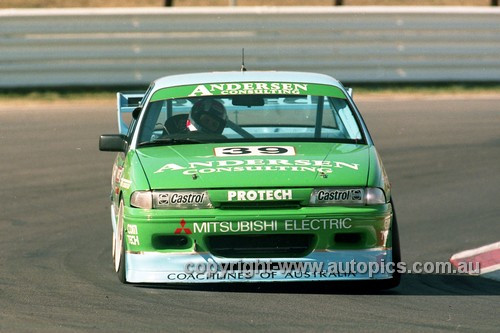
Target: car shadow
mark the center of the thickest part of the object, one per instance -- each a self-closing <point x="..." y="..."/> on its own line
<point x="411" y="284"/>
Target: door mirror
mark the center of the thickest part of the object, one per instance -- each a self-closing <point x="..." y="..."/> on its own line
<point x="136" y="112"/>
<point x="113" y="142"/>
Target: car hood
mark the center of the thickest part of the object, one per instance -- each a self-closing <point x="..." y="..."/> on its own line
<point x="309" y="165"/>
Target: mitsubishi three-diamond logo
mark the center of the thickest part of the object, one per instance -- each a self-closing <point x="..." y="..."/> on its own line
<point x="183" y="228"/>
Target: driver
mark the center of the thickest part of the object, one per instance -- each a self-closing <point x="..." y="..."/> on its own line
<point x="207" y="116"/>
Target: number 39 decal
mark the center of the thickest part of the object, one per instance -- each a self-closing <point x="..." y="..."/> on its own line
<point x="255" y="151"/>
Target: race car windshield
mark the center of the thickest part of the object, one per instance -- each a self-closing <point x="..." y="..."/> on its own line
<point x="250" y="118"/>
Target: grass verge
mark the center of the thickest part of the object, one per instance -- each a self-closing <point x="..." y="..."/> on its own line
<point x="55" y="94"/>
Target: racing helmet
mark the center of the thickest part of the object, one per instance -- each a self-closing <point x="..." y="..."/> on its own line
<point x="208" y="116"/>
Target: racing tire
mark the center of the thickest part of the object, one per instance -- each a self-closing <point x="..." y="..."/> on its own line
<point x="113" y="246"/>
<point x="395" y="280"/>
<point x="119" y="247"/>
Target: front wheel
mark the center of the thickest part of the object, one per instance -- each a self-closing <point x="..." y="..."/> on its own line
<point x="119" y="247"/>
<point x="395" y="280"/>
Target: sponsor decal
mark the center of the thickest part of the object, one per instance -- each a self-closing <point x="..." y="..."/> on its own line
<point x="117" y="175"/>
<point x="340" y="195"/>
<point x="125" y="183"/>
<point x="183" y="228"/>
<point x="181" y="199"/>
<point x="133" y="240"/>
<point x="250" y="165"/>
<point x="132" y="229"/>
<point x="236" y="226"/>
<point x="255" y="151"/>
<point x="325" y="196"/>
<point x="250" y="88"/>
<point x="117" y="171"/>
<point x="258" y="275"/>
<point x="270" y="225"/>
<point x="132" y="234"/>
<point x="318" y="224"/>
<point x="323" y="274"/>
<point x="260" y="195"/>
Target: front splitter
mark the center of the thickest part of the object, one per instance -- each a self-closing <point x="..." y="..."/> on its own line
<point x="153" y="267"/>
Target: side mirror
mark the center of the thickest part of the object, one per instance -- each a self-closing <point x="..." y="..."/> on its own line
<point x="349" y="91"/>
<point x="113" y="142"/>
<point x="136" y="112"/>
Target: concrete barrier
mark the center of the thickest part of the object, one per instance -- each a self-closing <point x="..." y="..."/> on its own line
<point x="132" y="46"/>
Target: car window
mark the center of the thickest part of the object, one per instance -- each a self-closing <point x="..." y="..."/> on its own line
<point x="252" y="117"/>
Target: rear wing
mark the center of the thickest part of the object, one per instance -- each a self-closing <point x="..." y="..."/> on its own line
<point x="126" y="103"/>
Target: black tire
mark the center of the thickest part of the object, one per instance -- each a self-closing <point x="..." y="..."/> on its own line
<point x="119" y="247"/>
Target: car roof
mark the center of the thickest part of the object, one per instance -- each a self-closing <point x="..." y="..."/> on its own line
<point x="247" y="76"/>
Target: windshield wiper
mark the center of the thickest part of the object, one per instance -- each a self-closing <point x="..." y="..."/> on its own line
<point x="170" y="141"/>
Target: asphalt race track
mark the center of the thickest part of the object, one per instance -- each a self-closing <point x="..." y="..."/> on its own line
<point x="442" y="156"/>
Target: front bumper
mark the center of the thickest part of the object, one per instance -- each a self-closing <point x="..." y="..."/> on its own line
<point x="194" y="267"/>
<point x="339" y="243"/>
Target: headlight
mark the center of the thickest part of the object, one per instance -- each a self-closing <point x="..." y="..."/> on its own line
<point x="181" y="200"/>
<point x="347" y="196"/>
<point x="375" y="196"/>
<point x="142" y="199"/>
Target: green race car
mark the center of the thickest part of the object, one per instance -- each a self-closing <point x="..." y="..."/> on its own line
<point x="248" y="177"/>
